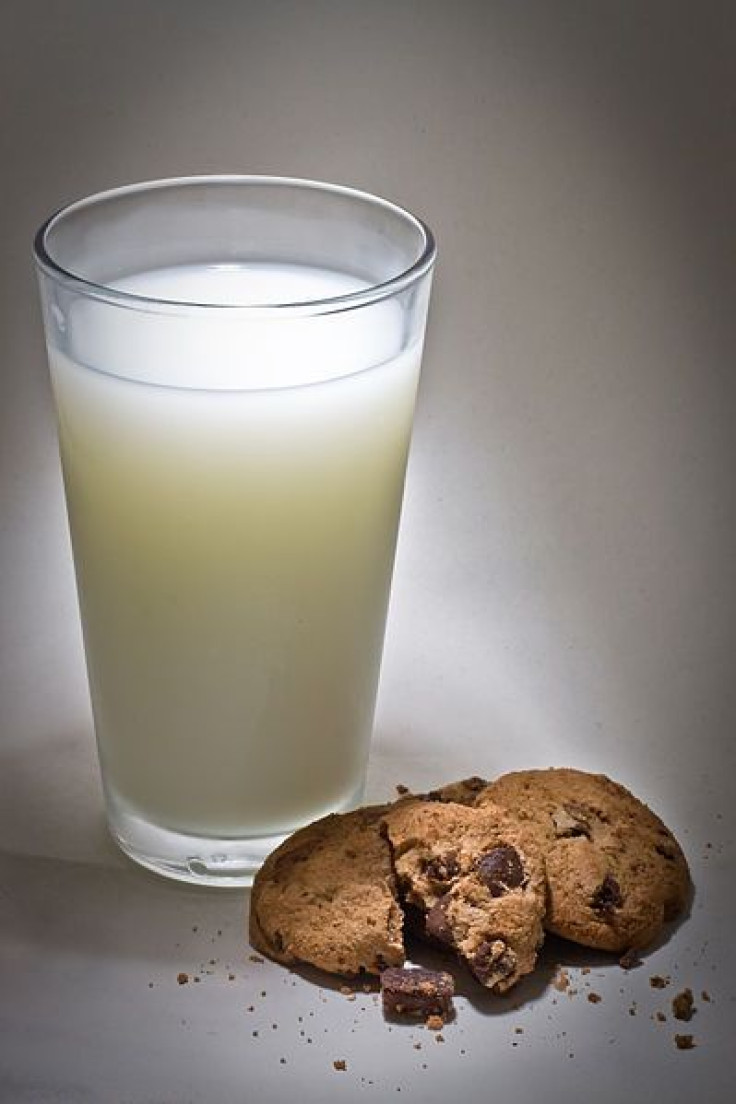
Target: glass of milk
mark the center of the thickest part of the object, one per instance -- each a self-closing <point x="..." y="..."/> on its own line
<point x="234" y="362"/>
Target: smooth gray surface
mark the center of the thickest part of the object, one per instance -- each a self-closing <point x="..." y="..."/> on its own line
<point x="564" y="589"/>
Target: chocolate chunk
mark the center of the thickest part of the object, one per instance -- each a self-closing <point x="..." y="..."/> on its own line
<point x="684" y="1042"/>
<point x="607" y="897"/>
<point x="436" y="924"/>
<point x="416" y="992"/>
<point x="442" y="868"/>
<point x="492" y="962"/>
<point x="570" y="820"/>
<point x="501" y="870"/>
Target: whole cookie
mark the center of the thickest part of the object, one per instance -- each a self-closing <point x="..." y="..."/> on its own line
<point x="615" y="873"/>
<point x="475" y="879"/>
<point x="327" y="897"/>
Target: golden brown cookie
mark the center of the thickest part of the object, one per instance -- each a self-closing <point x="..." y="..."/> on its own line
<point x="327" y="897"/>
<point x="477" y="881"/>
<point x="615" y="873"/>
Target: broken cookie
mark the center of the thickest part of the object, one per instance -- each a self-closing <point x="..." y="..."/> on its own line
<point x="327" y="897"/>
<point x="477" y="881"/>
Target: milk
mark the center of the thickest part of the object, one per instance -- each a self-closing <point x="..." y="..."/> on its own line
<point x="234" y="486"/>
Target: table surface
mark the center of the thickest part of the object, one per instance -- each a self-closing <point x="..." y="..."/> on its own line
<point x="564" y="588"/>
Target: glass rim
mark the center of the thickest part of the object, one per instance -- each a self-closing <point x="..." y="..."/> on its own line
<point x="386" y="289"/>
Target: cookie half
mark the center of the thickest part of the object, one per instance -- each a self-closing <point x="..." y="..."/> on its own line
<point x="476" y="881"/>
<point x="615" y="873"/>
<point x="327" y="897"/>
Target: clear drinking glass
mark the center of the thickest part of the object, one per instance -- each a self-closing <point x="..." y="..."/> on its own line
<point x="234" y="363"/>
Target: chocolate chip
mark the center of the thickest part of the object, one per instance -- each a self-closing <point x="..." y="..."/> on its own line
<point x="492" y="962"/>
<point x="442" y="868"/>
<point x="607" y="897"/>
<point x="417" y="992"/>
<point x="436" y="924"/>
<point x="500" y="870"/>
<point x="667" y="853"/>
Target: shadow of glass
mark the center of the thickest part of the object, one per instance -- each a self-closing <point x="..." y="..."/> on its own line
<point x="117" y="913"/>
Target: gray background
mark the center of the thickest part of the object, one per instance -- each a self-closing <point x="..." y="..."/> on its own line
<point x="564" y="590"/>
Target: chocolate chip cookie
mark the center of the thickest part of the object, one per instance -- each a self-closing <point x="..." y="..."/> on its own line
<point x="327" y="897"/>
<point x="475" y="880"/>
<point x="615" y="873"/>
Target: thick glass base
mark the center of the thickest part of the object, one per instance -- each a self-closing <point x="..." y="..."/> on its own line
<point x="199" y="860"/>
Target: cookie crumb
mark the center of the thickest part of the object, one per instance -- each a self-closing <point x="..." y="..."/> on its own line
<point x="402" y="790"/>
<point x="182" y="978"/>
<point x="561" y="980"/>
<point x="434" y="1023"/>
<point x="518" y="1031"/>
<point x="705" y="995"/>
<point x="658" y="982"/>
<point x="630" y="959"/>
<point x="255" y="958"/>
<point x="340" y="1064"/>
<point x="661" y="1017"/>
<point x="683" y="1005"/>
<point x="439" y="1038"/>
<point x="595" y="998"/>
<point x="684" y="1042"/>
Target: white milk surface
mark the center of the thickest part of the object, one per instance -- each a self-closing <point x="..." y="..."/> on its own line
<point x="234" y="525"/>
